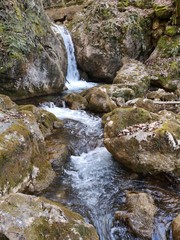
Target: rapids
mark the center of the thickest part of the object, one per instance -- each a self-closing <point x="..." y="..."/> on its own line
<point x="94" y="185"/>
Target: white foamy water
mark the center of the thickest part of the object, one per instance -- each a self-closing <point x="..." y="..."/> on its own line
<point x="74" y="83"/>
<point x="92" y="122"/>
<point x="88" y="174"/>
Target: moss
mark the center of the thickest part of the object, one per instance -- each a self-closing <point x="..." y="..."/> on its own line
<point x="137" y="3"/>
<point x="121" y="118"/>
<point x="43" y="230"/>
<point x="169" y="46"/>
<point x="162" y="11"/>
<point x="20" y="29"/>
<point x="170" y="30"/>
<point x="13" y="166"/>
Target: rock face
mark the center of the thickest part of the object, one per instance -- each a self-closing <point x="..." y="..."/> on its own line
<point x="163" y="64"/>
<point x="29" y="217"/>
<point x="23" y="155"/>
<point x="59" y="3"/>
<point x="143" y="141"/>
<point x="33" y="60"/>
<point x="103" y="34"/>
<point x="60" y="11"/>
<point x="140" y="214"/>
<point x="176" y="228"/>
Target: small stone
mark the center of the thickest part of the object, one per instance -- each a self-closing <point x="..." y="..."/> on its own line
<point x="57" y="124"/>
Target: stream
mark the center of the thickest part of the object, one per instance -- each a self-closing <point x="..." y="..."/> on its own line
<point x="93" y="184"/>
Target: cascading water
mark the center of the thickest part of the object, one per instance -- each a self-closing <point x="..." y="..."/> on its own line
<point x="94" y="185"/>
<point x="74" y="83"/>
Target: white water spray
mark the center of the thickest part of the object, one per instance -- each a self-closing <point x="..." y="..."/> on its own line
<point x="74" y="83"/>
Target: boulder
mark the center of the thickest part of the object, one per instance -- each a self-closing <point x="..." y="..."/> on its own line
<point x="103" y="35"/>
<point x="139" y="215"/>
<point x="134" y="75"/>
<point x="95" y="99"/>
<point x="58" y="147"/>
<point x="32" y="58"/>
<point x="75" y="101"/>
<point x="143" y="141"/>
<point x="176" y="228"/>
<point x="23" y="153"/>
<point x="98" y="100"/>
<point x="29" y="217"/>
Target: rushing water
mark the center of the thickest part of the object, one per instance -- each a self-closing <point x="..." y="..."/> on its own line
<point x="73" y="78"/>
<point x="94" y="185"/>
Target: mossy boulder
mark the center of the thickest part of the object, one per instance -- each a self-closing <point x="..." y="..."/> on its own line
<point x="143" y="141"/>
<point x="139" y="215"/>
<point x="22" y="154"/>
<point x="103" y="35"/>
<point x="23" y="151"/>
<point x="32" y="59"/>
<point x="29" y="217"/>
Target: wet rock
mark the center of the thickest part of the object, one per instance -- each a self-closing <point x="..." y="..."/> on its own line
<point x="29" y="217"/>
<point x="143" y="141"/>
<point x="103" y="35"/>
<point x="139" y="215"/>
<point x="33" y="59"/>
<point x="134" y="75"/>
<point x="176" y="228"/>
<point x="58" y="147"/>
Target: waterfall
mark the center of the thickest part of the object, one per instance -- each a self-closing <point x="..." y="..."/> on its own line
<point x="72" y="71"/>
<point x="74" y="83"/>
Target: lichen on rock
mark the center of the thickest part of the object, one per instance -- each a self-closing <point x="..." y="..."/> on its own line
<point x="33" y="60"/>
<point x="29" y="217"/>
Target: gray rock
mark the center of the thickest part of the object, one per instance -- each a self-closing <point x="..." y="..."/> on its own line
<point x="29" y="217"/>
